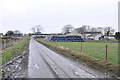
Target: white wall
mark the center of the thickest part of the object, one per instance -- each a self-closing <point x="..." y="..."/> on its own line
<point x="97" y="37"/>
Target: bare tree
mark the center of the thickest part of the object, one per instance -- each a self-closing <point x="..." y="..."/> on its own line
<point x="37" y="29"/>
<point x="83" y="29"/>
<point x="112" y="32"/>
<point x="100" y="29"/>
<point x="88" y="28"/>
<point x="33" y="30"/>
<point x="93" y="29"/>
<point x="108" y="31"/>
<point x="67" y="29"/>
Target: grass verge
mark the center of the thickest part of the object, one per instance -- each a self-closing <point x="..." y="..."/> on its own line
<point x="13" y="51"/>
<point x="101" y="65"/>
<point x="94" y="49"/>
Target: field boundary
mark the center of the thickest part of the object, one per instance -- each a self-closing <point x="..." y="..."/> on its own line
<point x="13" y="51"/>
<point x="10" y="68"/>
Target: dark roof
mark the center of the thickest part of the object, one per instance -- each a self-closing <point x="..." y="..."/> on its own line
<point x="40" y="34"/>
<point x="92" y="33"/>
<point x="48" y="34"/>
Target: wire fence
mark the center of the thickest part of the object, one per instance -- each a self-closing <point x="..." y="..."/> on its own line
<point x="102" y="51"/>
<point x="9" y="42"/>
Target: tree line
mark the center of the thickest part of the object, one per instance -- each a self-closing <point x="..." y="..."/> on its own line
<point x="16" y="33"/>
<point x="106" y="31"/>
<point x="86" y="28"/>
<point x="117" y="35"/>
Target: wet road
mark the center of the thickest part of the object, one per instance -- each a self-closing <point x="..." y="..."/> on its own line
<point x="45" y="63"/>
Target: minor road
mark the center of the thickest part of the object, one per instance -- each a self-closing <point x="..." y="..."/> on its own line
<point x="45" y="63"/>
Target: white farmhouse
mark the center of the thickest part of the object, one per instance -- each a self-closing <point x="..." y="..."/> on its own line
<point x="94" y="36"/>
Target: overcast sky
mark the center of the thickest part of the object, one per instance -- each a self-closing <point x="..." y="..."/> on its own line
<point x="54" y="14"/>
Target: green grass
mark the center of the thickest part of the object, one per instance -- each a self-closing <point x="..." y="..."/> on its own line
<point x="0" y="63"/>
<point x="13" y="51"/>
<point x="13" y="37"/>
<point x="94" y="49"/>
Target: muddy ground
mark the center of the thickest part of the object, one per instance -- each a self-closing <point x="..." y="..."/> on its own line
<point x="23" y="72"/>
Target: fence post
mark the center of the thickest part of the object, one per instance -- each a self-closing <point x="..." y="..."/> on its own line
<point x="4" y="43"/>
<point x="106" y="52"/>
<point x="56" y="42"/>
<point x="81" y="46"/>
<point x="13" y="42"/>
<point x="10" y="42"/>
<point x="69" y="44"/>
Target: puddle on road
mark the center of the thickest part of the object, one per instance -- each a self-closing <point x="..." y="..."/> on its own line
<point x="36" y="66"/>
<point x="79" y="72"/>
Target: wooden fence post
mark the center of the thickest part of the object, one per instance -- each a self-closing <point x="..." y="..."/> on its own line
<point x="69" y="44"/>
<point x="106" y="52"/>
<point x="4" y="43"/>
<point x="56" y="42"/>
<point x="81" y="47"/>
<point x="13" y="41"/>
<point x="10" y="42"/>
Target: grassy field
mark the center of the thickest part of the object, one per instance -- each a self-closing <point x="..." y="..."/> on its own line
<point x="0" y="64"/>
<point x="94" y="49"/>
<point x="13" y="51"/>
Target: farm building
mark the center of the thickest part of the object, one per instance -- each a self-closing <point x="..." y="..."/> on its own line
<point x="43" y="35"/>
<point x="92" y="35"/>
<point x="74" y="32"/>
<point x="87" y="35"/>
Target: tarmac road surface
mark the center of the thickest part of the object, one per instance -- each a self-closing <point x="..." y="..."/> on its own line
<point x="45" y="63"/>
